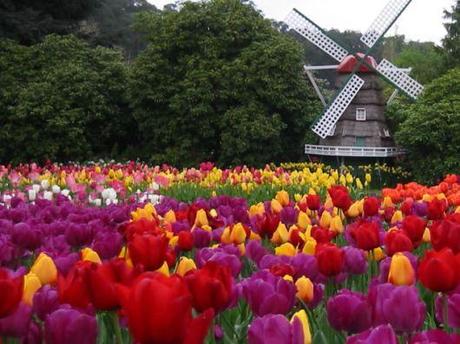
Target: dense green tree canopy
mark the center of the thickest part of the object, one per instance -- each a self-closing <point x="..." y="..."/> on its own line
<point x="431" y="129"/>
<point x="451" y="42"/>
<point x="61" y="100"/>
<point x="218" y="82"/>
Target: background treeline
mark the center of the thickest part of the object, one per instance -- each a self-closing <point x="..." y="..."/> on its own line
<point x="87" y="79"/>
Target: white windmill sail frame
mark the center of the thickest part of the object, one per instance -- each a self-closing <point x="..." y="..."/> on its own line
<point x="323" y="127"/>
<point x="384" y="21"/>
<point x="311" y="32"/>
<point x="400" y="79"/>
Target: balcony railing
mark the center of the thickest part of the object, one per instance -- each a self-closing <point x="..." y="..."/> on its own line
<point x="376" y="152"/>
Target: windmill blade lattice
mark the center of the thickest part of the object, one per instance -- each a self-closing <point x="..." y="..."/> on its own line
<point x="338" y="107"/>
<point x="400" y="79"/>
<point x="308" y="29"/>
<point x="384" y="21"/>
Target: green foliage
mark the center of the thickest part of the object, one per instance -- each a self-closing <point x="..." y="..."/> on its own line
<point x="62" y="100"/>
<point x="431" y="130"/>
<point x="451" y="42"/>
<point x="218" y="82"/>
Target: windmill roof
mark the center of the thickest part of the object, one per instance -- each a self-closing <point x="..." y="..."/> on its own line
<point x="349" y="63"/>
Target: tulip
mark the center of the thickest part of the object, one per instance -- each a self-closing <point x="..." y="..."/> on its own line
<point x="401" y="270"/>
<point x="210" y="286"/>
<point x="435" y="336"/>
<point x="336" y="224"/>
<point x="11" y="289"/>
<point x="414" y="227"/>
<point x="16" y="324"/>
<point x="397" y="241"/>
<point x="355" y="260"/>
<point x="313" y="202"/>
<point x="185" y="241"/>
<point x="45" y="301"/>
<point x="45" y="269"/>
<point x="446" y="233"/>
<point x="309" y="246"/>
<point x="365" y="235"/>
<point x="274" y="328"/>
<point x="148" y="251"/>
<point x="380" y="334"/>
<point x="371" y="206"/>
<point x="301" y="317"/>
<point x="330" y="259"/>
<point x="89" y="255"/>
<point x="72" y="288"/>
<point x="397" y="217"/>
<point x="438" y="271"/>
<point x="453" y="309"/>
<point x="282" y="197"/>
<point x="303" y="220"/>
<point x="154" y="303"/>
<point x="268" y="294"/>
<point x="185" y="265"/>
<point x="305" y="289"/>
<point x="31" y="285"/>
<point x="286" y="249"/>
<point x="349" y="311"/>
<point x="70" y="326"/>
<point x="436" y="209"/>
<point x="325" y="220"/>
<point x="340" y="197"/>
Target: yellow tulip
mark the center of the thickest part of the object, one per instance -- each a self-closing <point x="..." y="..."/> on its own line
<point x="276" y="206"/>
<point x="304" y="289"/>
<point x="256" y="209"/>
<point x="368" y="178"/>
<point x="359" y="184"/>
<point x="282" y="197"/>
<point x="426" y="235"/>
<point x="336" y="224"/>
<point x="353" y="211"/>
<point x="303" y="220"/>
<point x="397" y="217"/>
<point x="388" y="202"/>
<point x="401" y="270"/>
<point x="310" y="246"/>
<point x="213" y="213"/>
<point x="287" y="249"/>
<point x="124" y="253"/>
<point x="427" y="198"/>
<point x="89" y="255"/>
<point x="281" y="234"/>
<point x="201" y="218"/>
<point x="164" y="269"/>
<point x="457" y="211"/>
<point x="303" y="318"/>
<point x="328" y="203"/>
<point x="31" y="285"/>
<point x="378" y="254"/>
<point x="325" y="219"/>
<point x="288" y="278"/>
<point x="238" y="234"/>
<point x="170" y="216"/>
<point x="45" y="269"/>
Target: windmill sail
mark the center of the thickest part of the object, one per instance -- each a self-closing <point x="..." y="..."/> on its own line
<point x="384" y="21"/>
<point x="400" y="79"/>
<point x="308" y="29"/>
<point x="327" y="121"/>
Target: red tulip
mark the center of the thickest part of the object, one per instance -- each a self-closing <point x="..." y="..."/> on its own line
<point x="267" y="223"/>
<point x="406" y="207"/>
<point x="159" y="310"/>
<point x="365" y="235"/>
<point x="340" y="197"/>
<point x="72" y="289"/>
<point x="10" y="292"/>
<point x="322" y="235"/>
<point x="397" y="241"/>
<point x="446" y="233"/>
<point x="436" y="209"/>
<point x="102" y="281"/>
<point x="313" y="202"/>
<point x="139" y="227"/>
<point x="414" y="227"/>
<point x="211" y="286"/>
<point x="282" y="270"/>
<point x="371" y="206"/>
<point x="330" y="259"/>
<point x="148" y="251"/>
<point x="439" y="271"/>
<point x="185" y="241"/>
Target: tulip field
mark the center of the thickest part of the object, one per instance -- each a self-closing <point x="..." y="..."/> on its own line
<point x="290" y="254"/>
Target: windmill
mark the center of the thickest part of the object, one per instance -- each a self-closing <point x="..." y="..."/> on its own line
<point x="353" y="123"/>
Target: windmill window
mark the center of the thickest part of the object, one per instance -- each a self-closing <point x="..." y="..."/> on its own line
<point x="360" y="142"/>
<point x="361" y="114"/>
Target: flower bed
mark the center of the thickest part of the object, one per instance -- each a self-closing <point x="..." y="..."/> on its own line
<point x="327" y="265"/>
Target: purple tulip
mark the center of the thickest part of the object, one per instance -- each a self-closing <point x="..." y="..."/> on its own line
<point x="268" y="294"/>
<point x="399" y="306"/>
<point x="70" y="326"/>
<point x="288" y="216"/>
<point x="435" y="337"/>
<point x="377" y="335"/>
<point x="307" y="265"/>
<point x="255" y="251"/>
<point x="16" y="324"/>
<point x="453" y="309"/>
<point x="25" y="236"/>
<point x="349" y="311"/>
<point x="355" y="260"/>
<point x="65" y="263"/>
<point x="201" y="238"/>
<point x="45" y="301"/>
<point x="275" y="329"/>
<point x="107" y="244"/>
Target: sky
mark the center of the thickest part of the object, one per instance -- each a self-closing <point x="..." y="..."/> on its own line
<point x="422" y="21"/>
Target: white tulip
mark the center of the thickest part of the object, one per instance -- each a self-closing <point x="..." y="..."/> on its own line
<point x="45" y="184"/>
<point x="32" y="195"/>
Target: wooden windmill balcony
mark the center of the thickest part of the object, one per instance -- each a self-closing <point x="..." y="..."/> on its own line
<point x="372" y="152"/>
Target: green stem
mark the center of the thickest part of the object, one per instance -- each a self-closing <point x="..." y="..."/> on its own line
<point x="445" y="312"/>
<point x="116" y="327"/>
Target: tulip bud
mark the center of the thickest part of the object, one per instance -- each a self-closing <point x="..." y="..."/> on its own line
<point x="31" y="285"/>
<point x="276" y="206"/>
<point x="201" y="219"/>
<point x="164" y="269"/>
<point x="256" y="209"/>
<point x="45" y="269"/>
<point x="304" y="289"/>
<point x="287" y="249"/>
<point x="238" y="234"/>
<point x="185" y="265"/>
<point x="353" y="211"/>
<point x="303" y="220"/>
<point x="397" y="217"/>
<point x="426" y="235"/>
<point x="89" y="255"/>
<point x="302" y="317"/>
<point x="401" y="270"/>
<point x="281" y="234"/>
<point x="170" y="216"/>
<point x="336" y="224"/>
<point x="310" y="246"/>
<point x="282" y="197"/>
<point x="325" y="219"/>
<point x="387" y="202"/>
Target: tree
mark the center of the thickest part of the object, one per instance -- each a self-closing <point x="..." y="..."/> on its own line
<point x="62" y="100"/>
<point x="218" y="82"/>
<point x="451" y="42"/>
<point x="431" y="130"/>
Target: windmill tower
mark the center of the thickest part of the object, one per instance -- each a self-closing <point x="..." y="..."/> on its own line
<point x="354" y="124"/>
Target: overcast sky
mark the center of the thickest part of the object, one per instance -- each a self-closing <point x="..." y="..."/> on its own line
<point x="422" y="20"/>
